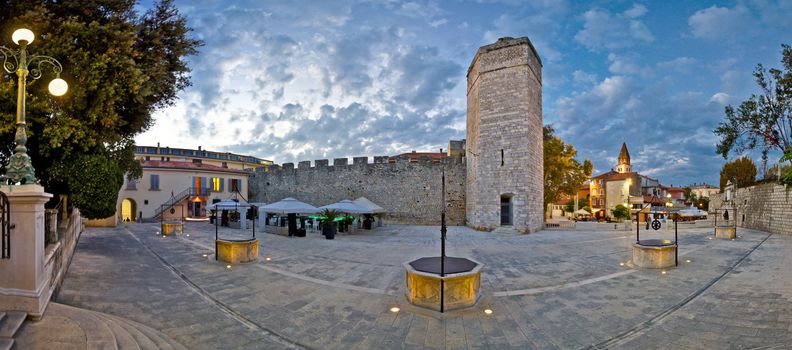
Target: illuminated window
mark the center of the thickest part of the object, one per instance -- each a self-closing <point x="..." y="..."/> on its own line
<point x="217" y="184"/>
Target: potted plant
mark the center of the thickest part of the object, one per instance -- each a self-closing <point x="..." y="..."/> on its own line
<point x="328" y="223"/>
<point x="621" y="212"/>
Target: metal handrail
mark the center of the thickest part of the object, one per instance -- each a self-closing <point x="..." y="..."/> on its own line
<point x="189" y="192"/>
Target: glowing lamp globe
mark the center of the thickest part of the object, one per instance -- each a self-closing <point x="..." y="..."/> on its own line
<point x="23" y="34"/>
<point x="58" y="87"/>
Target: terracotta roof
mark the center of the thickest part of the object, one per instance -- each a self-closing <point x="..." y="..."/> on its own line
<point x="612" y="175"/>
<point x="190" y="166"/>
<point x="648" y="198"/>
<point x="413" y="156"/>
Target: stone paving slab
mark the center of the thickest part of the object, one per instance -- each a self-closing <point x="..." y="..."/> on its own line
<point x="553" y="289"/>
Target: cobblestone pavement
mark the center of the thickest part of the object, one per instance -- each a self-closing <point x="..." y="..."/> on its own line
<point x="552" y="289"/>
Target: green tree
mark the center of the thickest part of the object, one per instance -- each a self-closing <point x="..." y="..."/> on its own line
<point x="690" y="197"/>
<point x="741" y="171"/>
<point x="764" y="121"/>
<point x="563" y="174"/>
<point x="94" y="181"/>
<point x="702" y="203"/>
<point x="570" y="206"/>
<point x="620" y="212"/>
<point x="121" y="67"/>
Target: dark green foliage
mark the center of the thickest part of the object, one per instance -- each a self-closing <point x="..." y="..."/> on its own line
<point x="621" y="212"/>
<point x="786" y="172"/>
<point x="329" y="216"/>
<point x="93" y="182"/>
<point x="121" y="66"/>
<point x="701" y="203"/>
<point x="570" y="206"/>
<point x="563" y="174"/>
<point x="764" y="121"/>
<point x="742" y="171"/>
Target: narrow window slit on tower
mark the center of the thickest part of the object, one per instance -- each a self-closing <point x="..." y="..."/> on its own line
<point x="501" y="156"/>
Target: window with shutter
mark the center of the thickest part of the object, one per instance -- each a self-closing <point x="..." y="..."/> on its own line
<point x="154" y="183"/>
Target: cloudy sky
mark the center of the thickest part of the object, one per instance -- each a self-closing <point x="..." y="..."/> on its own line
<point x="304" y="80"/>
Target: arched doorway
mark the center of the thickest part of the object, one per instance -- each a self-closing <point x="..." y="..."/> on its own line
<point x="128" y="210"/>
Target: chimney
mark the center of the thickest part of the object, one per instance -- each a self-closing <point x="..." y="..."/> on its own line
<point x="199" y="148"/>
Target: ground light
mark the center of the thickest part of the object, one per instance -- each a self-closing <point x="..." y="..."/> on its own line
<point x="395" y="309"/>
<point x="205" y="255"/>
<point x="228" y="267"/>
<point x="488" y="311"/>
<point x="688" y="260"/>
<point x="621" y="264"/>
<point x="267" y="258"/>
<point x="663" y="272"/>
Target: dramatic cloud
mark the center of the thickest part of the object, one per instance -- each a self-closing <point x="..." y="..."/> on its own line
<point x="313" y="79"/>
<point x="605" y="30"/>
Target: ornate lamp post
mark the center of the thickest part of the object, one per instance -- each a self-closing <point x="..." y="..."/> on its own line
<point x="17" y="61"/>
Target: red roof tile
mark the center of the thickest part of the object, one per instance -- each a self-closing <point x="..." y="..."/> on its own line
<point x="190" y="166"/>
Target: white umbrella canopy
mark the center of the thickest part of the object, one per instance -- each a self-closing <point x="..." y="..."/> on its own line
<point x="289" y="206"/>
<point x="582" y="212"/>
<point x="227" y="204"/>
<point x="258" y="204"/>
<point x="366" y="203"/>
<point x="692" y="212"/>
<point x="347" y="206"/>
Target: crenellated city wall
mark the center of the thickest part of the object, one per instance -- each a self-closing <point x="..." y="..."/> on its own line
<point x="409" y="191"/>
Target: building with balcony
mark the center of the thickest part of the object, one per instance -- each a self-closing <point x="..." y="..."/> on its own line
<point x="179" y="183"/>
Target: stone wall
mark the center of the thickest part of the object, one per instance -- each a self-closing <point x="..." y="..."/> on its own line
<point x="504" y="136"/>
<point x="410" y="192"/>
<point x="765" y="207"/>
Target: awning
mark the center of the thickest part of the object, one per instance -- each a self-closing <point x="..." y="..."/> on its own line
<point x="227" y="204"/>
<point x="289" y="206"/>
<point x="346" y="206"/>
<point x="366" y="203"/>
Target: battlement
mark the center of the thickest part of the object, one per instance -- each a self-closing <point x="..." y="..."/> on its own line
<point x="409" y="188"/>
<point x="359" y="162"/>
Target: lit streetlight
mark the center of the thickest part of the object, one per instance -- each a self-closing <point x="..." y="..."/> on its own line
<point x="17" y="61"/>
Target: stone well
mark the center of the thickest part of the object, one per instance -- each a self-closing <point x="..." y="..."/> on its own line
<point x="654" y="253"/>
<point x="236" y="252"/>
<point x="460" y="289"/>
<point x="169" y="228"/>
<point x="727" y="232"/>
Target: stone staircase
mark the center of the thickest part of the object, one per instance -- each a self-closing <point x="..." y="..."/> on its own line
<point x="67" y="327"/>
<point x="505" y="230"/>
<point x="10" y="321"/>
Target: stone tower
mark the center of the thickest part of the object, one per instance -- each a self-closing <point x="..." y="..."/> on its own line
<point x="624" y="160"/>
<point x="505" y="164"/>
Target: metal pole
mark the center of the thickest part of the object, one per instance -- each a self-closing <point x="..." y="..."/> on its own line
<point x="637" y="229"/>
<point x="216" y="219"/>
<point x="442" y="244"/>
<point x="253" y="217"/>
<point x="676" y="242"/>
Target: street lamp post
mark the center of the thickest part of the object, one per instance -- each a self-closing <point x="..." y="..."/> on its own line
<point x="20" y="169"/>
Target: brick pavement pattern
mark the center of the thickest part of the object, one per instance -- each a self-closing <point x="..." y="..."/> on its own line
<point x="549" y="290"/>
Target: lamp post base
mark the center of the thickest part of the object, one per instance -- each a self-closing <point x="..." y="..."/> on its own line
<point x="20" y="169"/>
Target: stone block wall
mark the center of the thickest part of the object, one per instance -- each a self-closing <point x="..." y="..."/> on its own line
<point x="410" y="192"/>
<point x="504" y="136"/>
<point x="765" y="207"/>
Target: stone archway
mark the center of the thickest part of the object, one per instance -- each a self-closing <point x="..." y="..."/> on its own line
<point x="128" y="210"/>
